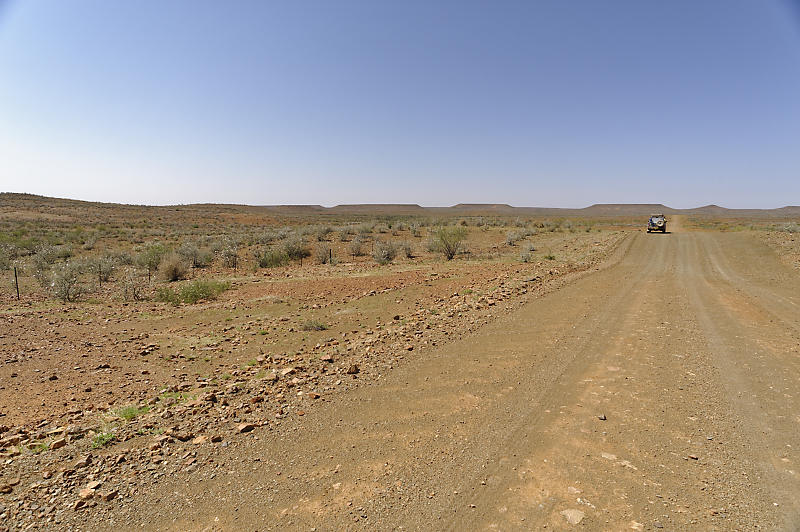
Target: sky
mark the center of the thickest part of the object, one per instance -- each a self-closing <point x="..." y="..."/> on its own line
<point x="531" y="103"/>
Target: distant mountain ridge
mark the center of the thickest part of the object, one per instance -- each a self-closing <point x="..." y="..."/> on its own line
<point x="31" y="201"/>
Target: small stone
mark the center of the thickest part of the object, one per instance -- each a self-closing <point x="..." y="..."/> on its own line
<point x="86" y="493"/>
<point x="53" y="377"/>
<point x="59" y="443"/>
<point x="693" y="457"/>
<point x="93" y="485"/>
<point x="244" y="427"/>
<point x="82" y="462"/>
<point x="200" y="440"/>
<point x="110" y="495"/>
<point x="602" y="417"/>
<point x="216" y="438"/>
<point x="80" y="503"/>
<point x="573" y="516"/>
<point x="326" y="358"/>
<point x="352" y="370"/>
<point x="658" y="525"/>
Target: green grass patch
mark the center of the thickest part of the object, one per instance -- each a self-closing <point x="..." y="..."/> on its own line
<point x="39" y="447"/>
<point x="130" y="412"/>
<point x="314" y="325"/>
<point x="102" y="439"/>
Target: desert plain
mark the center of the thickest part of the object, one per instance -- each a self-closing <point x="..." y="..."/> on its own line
<point x="376" y="367"/>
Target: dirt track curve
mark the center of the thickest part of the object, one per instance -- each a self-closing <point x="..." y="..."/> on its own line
<point x="686" y="343"/>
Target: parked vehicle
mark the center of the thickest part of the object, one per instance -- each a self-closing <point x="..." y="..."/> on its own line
<point x="657" y="222"/>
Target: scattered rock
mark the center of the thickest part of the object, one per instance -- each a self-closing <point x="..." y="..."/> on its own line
<point x="86" y="493"/>
<point x="573" y="516"/>
<point x="602" y="417"/>
<point x="82" y="462"/>
<point x="58" y="444"/>
<point x="244" y="427"/>
<point x="109" y="495"/>
<point x="352" y="370"/>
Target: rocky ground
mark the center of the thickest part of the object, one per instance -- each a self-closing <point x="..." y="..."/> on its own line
<point x="99" y="401"/>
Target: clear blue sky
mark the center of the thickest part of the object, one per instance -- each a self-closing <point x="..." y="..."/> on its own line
<point x="532" y="103"/>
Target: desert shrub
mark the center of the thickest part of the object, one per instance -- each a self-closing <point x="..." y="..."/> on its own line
<point x="173" y="267"/>
<point x="271" y="258"/>
<point x="101" y="268"/>
<point x="230" y="254"/>
<point x="295" y="249"/>
<point x="323" y="254"/>
<point x="90" y="242"/>
<point x="150" y="257"/>
<point x="66" y="284"/>
<point x="550" y="256"/>
<point x="322" y="232"/>
<point x="527" y="253"/>
<point x="356" y="247"/>
<point x="406" y="249"/>
<point x="384" y="252"/>
<point x="365" y="229"/>
<point x="314" y="325"/>
<point x="512" y="237"/>
<point x="193" y="255"/>
<point x="5" y="259"/>
<point x="449" y="240"/>
<point x="792" y="227"/>
<point x="191" y="292"/>
<point x="133" y="286"/>
<point x="122" y="258"/>
<point x="344" y="233"/>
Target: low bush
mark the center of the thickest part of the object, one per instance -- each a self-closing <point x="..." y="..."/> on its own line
<point x="66" y="284"/>
<point x="323" y="254"/>
<point x="295" y="249"/>
<point x="384" y="252"/>
<point x="173" y="268"/>
<point x="406" y="249"/>
<point x="449" y="240"/>
<point x="356" y="247"/>
<point x="314" y="325"/>
<point x="272" y="258"/>
<point x="191" y="293"/>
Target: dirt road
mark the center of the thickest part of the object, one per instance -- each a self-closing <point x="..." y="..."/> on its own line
<point x="662" y="391"/>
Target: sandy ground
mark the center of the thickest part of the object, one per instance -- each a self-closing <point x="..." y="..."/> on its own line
<point x="658" y="392"/>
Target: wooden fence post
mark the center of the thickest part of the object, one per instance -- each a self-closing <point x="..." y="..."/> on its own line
<point x="16" y="282"/>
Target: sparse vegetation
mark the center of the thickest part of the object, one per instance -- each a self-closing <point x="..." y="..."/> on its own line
<point x="314" y="325"/>
<point x="129" y="412"/>
<point x="102" y="439"/>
